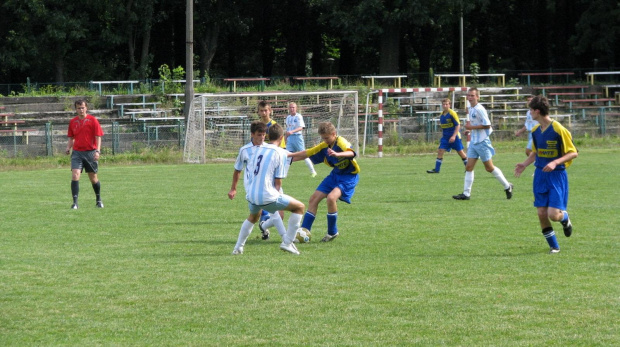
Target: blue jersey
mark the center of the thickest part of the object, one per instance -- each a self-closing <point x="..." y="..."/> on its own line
<point x="551" y="144"/>
<point x="448" y="123"/>
<point x="342" y="166"/>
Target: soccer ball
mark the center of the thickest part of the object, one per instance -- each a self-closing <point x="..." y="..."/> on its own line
<point x="303" y="235"/>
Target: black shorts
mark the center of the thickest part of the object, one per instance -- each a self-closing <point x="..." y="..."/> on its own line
<point x="84" y="160"/>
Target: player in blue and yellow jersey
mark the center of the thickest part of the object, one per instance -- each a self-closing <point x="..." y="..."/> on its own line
<point x="552" y="152"/>
<point x="340" y="184"/>
<point x="451" y="139"/>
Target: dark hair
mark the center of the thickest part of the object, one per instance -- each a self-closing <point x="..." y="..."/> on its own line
<point x="258" y="126"/>
<point x="79" y="102"/>
<point x="264" y="103"/>
<point x="541" y="104"/>
<point x="275" y="132"/>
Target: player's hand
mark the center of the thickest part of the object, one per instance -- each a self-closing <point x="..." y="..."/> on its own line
<point x="332" y="153"/>
<point x="549" y="167"/>
<point x="519" y="168"/>
<point x="232" y="193"/>
<point x="451" y="140"/>
<point x="68" y="151"/>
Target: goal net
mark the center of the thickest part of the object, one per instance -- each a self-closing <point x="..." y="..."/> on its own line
<point x="219" y="124"/>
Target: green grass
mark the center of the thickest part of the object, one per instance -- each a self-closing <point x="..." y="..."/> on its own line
<point x="412" y="265"/>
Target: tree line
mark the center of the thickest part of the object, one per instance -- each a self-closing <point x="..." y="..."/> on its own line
<point x="59" y="40"/>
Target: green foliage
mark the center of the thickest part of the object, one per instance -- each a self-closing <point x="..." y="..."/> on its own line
<point x="474" y="69"/>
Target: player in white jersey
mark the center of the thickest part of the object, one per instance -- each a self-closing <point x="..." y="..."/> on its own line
<point x="480" y="147"/>
<point x="258" y="130"/>
<point x="294" y="134"/>
<point x="530" y="123"/>
<point x="267" y="168"/>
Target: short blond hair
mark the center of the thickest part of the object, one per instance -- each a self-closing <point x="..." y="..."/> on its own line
<point x="326" y="128"/>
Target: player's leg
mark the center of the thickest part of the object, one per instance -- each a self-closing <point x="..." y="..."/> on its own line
<point x="547" y="229"/>
<point x="438" y="161"/>
<point x="246" y="229"/>
<point x="76" y="171"/>
<point x="91" y="166"/>
<point x="499" y="176"/>
<point x="332" y="214"/>
<point x="313" y="206"/>
<point x="558" y="200"/>
<point x="468" y="182"/>
<point x="296" y="208"/>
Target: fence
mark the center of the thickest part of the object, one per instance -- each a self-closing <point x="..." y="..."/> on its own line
<point x="51" y="139"/>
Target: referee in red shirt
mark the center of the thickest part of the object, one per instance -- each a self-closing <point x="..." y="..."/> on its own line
<point x="85" y="139"/>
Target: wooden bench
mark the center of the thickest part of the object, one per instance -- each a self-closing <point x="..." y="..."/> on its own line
<point x="557" y="95"/>
<point x="156" y="113"/>
<point x="586" y="101"/>
<point x="142" y="104"/>
<point x="501" y="78"/>
<point x="233" y="82"/>
<point x="16" y="130"/>
<point x="550" y="74"/>
<point x="395" y="78"/>
<point x="590" y="75"/>
<point x="330" y="85"/>
<point x="608" y="87"/>
<point x="120" y="83"/>
<point x="568" y="87"/>
<point x="5" y="116"/>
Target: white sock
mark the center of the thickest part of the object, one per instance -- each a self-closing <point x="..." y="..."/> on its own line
<point x="469" y="181"/>
<point x="244" y="233"/>
<point x="271" y="221"/>
<point x="500" y="177"/>
<point x="309" y="164"/>
<point x="276" y="220"/>
<point x="293" y="224"/>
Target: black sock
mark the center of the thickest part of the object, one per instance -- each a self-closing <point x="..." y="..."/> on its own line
<point x="75" y="190"/>
<point x="97" y="189"/>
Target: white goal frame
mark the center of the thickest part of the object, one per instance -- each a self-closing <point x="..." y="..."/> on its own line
<point x="219" y="124"/>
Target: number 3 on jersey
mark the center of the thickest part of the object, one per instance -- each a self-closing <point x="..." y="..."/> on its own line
<point x="258" y="160"/>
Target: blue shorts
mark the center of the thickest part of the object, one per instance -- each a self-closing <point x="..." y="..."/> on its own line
<point x="280" y="204"/>
<point x="346" y="183"/>
<point x="295" y="143"/>
<point x="481" y="150"/>
<point x="445" y="144"/>
<point x="550" y="189"/>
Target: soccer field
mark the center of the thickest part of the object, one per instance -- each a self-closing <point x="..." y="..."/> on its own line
<point x="412" y="265"/>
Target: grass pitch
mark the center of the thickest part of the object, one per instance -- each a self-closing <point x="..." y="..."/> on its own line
<point x="412" y="265"/>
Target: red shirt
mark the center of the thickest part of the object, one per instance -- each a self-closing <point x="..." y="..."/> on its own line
<point x="84" y="132"/>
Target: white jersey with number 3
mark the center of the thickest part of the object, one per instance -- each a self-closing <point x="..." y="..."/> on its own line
<point x="267" y="163"/>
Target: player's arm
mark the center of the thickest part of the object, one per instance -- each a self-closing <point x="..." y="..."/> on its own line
<point x="344" y="154"/>
<point x="519" y="168"/>
<point x="457" y="129"/>
<point x="97" y="147"/>
<point x="298" y="129"/>
<point x="301" y="155"/>
<point x="69" y="145"/>
<point x="520" y="131"/>
<point x="277" y="183"/>
<point x="233" y="187"/>
<point x="563" y="159"/>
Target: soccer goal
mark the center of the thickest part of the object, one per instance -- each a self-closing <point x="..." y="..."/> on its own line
<point x="219" y="124"/>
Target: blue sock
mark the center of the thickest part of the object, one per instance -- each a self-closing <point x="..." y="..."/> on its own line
<point x="549" y="235"/>
<point x="465" y="161"/>
<point x="565" y="218"/>
<point x="332" y="227"/>
<point x="264" y="215"/>
<point x="308" y="221"/>
<point x="438" y="164"/>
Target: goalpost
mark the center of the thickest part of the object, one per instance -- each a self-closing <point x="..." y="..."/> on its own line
<point x="219" y="124"/>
